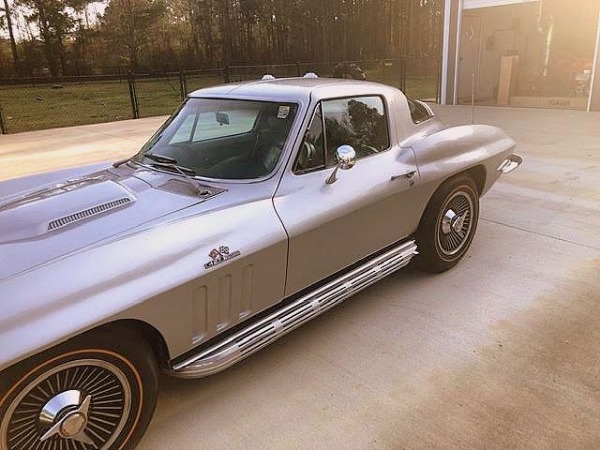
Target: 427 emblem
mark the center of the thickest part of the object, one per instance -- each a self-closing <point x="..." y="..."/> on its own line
<point x="221" y="255"/>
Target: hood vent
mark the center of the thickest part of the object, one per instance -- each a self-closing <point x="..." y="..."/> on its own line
<point x="86" y="214"/>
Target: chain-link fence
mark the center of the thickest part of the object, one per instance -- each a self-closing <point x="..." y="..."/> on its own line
<point x="40" y="103"/>
<point x="417" y="77"/>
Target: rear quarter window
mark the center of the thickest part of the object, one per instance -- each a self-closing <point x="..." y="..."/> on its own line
<point x="419" y="111"/>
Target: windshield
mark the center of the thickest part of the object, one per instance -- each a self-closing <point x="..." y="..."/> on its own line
<point x="222" y="139"/>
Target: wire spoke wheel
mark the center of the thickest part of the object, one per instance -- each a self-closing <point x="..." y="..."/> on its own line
<point x="455" y="224"/>
<point x="78" y="405"/>
<point x="97" y="391"/>
<point x="448" y="225"/>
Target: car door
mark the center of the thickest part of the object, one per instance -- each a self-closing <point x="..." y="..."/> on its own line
<point x="369" y="207"/>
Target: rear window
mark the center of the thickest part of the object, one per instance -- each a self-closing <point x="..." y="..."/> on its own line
<point x="419" y="111"/>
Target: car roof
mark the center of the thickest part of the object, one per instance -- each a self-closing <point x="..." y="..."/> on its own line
<point x="294" y="89"/>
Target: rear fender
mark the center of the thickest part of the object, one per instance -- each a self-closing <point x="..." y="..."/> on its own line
<point x="454" y="150"/>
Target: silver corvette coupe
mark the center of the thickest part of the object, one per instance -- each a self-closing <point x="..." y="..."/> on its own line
<point x="254" y="208"/>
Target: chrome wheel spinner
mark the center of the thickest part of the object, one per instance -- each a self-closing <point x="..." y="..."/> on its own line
<point x="67" y="416"/>
<point x="456" y="223"/>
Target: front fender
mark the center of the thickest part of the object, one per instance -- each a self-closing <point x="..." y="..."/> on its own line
<point x="154" y="275"/>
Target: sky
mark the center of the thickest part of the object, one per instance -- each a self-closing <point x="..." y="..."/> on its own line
<point x="98" y="7"/>
<point x="94" y="8"/>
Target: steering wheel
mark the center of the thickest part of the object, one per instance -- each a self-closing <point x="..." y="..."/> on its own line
<point x="306" y="155"/>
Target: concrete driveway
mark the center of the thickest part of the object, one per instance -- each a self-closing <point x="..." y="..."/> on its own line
<point x="499" y="353"/>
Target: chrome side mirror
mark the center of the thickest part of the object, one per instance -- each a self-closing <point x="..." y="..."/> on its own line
<point x="346" y="160"/>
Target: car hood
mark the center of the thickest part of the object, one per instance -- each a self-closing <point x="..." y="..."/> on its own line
<point x="70" y="214"/>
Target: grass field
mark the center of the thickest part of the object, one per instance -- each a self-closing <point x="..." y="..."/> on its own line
<point x="28" y="108"/>
<point x="423" y="88"/>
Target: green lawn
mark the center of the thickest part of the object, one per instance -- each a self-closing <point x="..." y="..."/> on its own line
<point x="423" y="87"/>
<point x="28" y="108"/>
<point x="39" y="107"/>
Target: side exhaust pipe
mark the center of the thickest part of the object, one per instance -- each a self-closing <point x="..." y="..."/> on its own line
<point x="262" y="333"/>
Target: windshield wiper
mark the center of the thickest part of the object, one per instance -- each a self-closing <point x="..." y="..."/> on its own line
<point x="161" y="158"/>
<point x="152" y="156"/>
<point x="122" y="161"/>
<point x="186" y="172"/>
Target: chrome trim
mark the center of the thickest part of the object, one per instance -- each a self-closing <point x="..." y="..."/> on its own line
<point x="72" y="425"/>
<point x="447" y="221"/>
<point x="258" y="335"/>
<point x="408" y="175"/>
<point x="346" y="157"/>
<point x="456" y="224"/>
<point x="86" y="214"/>
<point x="510" y="164"/>
<point x="58" y="403"/>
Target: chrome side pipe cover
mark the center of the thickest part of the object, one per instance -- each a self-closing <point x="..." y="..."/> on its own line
<point x="258" y="335"/>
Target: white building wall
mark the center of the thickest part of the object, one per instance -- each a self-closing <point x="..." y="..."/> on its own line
<point x="474" y="4"/>
<point x="452" y="44"/>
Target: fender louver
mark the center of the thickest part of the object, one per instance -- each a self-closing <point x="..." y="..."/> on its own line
<point x="86" y="214"/>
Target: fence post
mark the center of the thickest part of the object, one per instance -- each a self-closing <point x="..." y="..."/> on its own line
<point x="3" y="129"/>
<point x="135" y="110"/>
<point x="182" y="85"/>
<point x="298" y="71"/>
<point x="402" y="74"/>
<point x="226" y="74"/>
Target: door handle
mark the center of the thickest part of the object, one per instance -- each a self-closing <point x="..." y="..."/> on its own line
<point x="408" y="175"/>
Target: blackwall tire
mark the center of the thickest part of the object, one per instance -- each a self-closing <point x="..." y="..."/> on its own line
<point x="448" y="225"/>
<point x="97" y="392"/>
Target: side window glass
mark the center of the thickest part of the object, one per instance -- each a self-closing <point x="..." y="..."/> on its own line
<point x="419" y="112"/>
<point x="311" y="156"/>
<point x="360" y="122"/>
